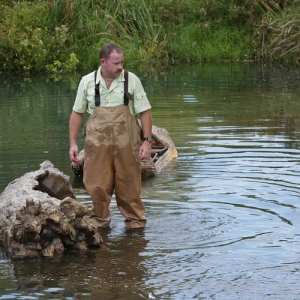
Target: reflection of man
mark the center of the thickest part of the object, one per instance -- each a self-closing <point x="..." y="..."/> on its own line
<point x="121" y="268"/>
<point x="112" y="147"/>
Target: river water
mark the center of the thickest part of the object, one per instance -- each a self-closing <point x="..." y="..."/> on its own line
<point x="223" y="219"/>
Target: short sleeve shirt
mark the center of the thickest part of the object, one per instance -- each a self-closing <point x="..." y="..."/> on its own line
<point x="114" y="96"/>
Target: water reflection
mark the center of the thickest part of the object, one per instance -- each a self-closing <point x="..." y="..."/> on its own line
<point x="114" y="273"/>
<point x="223" y="219"/>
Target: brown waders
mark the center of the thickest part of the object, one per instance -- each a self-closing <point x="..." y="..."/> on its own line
<point x="112" y="165"/>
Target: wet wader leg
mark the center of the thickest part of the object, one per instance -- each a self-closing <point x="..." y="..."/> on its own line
<point x="128" y="172"/>
<point x="98" y="168"/>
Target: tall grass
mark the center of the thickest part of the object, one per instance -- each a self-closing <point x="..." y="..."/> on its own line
<point x="284" y="37"/>
<point x="131" y="24"/>
<point x="216" y="43"/>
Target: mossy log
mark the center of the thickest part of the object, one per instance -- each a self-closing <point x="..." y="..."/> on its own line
<point x="163" y="151"/>
<point x="40" y="215"/>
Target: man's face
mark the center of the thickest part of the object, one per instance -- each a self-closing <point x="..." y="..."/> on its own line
<point x="113" y="66"/>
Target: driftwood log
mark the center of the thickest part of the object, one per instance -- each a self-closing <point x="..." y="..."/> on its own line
<point x="163" y="151"/>
<point x="40" y="215"/>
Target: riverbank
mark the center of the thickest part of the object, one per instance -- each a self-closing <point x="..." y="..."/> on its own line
<point x="60" y="36"/>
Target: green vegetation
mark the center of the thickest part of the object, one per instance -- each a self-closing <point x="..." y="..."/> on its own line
<point x="60" y="35"/>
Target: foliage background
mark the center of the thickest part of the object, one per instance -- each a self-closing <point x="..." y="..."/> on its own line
<point x="61" y="35"/>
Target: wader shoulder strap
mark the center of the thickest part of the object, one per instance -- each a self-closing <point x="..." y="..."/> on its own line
<point x="97" y="94"/>
<point x="127" y="95"/>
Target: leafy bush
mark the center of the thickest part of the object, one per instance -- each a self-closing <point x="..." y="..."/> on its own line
<point x="26" y="43"/>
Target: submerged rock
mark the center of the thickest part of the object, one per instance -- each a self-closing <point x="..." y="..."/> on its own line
<point x="40" y="215"/>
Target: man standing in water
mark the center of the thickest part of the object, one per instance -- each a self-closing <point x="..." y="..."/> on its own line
<point x="113" y="147"/>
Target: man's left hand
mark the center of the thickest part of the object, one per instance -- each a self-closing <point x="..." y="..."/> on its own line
<point x="145" y="150"/>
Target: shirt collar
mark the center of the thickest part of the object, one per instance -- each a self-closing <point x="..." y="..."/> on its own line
<point x="99" y="76"/>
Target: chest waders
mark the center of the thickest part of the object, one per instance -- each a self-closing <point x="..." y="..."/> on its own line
<point x="111" y="162"/>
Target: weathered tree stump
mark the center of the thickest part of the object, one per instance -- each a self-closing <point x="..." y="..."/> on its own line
<point x="40" y="215"/>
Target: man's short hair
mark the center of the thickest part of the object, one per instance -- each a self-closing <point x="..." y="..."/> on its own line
<point x="107" y="49"/>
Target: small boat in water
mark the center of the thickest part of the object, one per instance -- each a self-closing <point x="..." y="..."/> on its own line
<point x="163" y="151"/>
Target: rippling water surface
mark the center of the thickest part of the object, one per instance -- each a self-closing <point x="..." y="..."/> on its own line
<point x="223" y="219"/>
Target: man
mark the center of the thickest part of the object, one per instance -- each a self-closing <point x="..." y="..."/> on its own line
<point x="113" y="147"/>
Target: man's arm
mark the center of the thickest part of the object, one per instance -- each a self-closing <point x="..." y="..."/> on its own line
<point x="146" y="122"/>
<point x="74" y="127"/>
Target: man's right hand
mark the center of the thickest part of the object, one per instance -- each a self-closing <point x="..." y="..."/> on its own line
<point x="75" y="123"/>
<point x="73" y="154"/>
